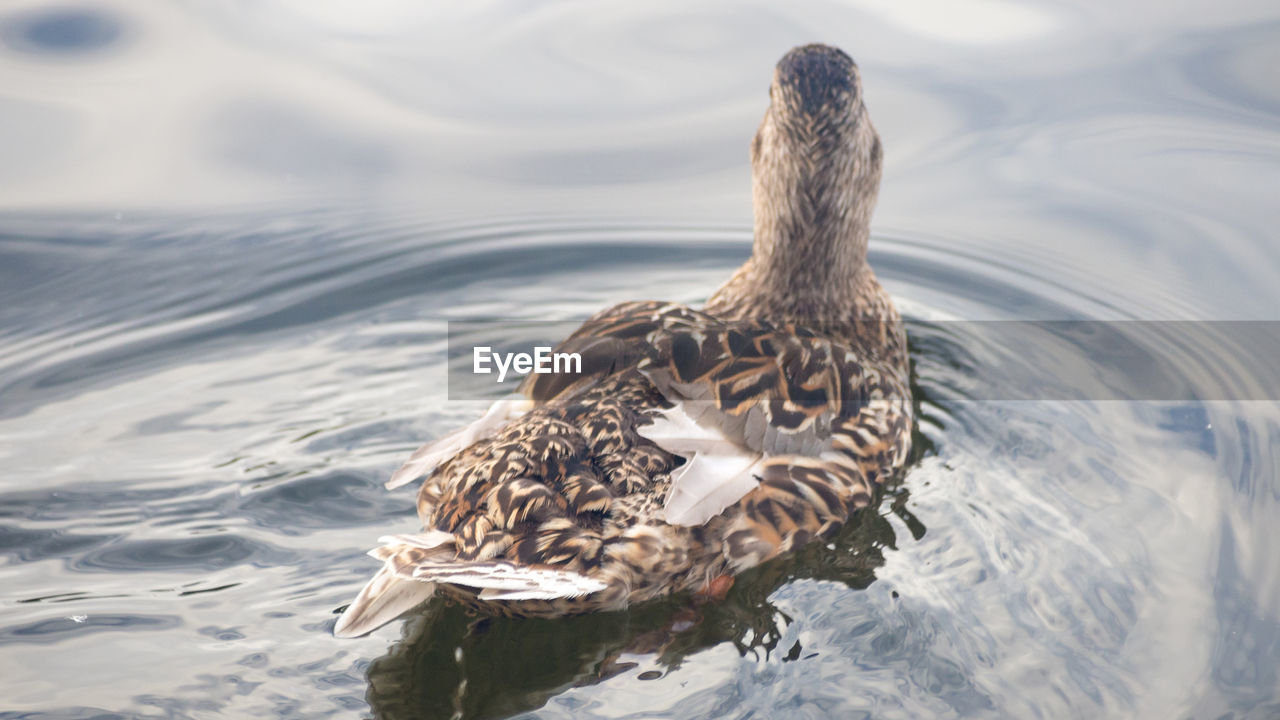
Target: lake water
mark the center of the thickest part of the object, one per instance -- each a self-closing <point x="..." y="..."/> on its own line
<point x="232" y="235"/>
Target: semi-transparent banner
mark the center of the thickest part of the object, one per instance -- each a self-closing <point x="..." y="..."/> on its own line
<point x="984" y="360"/>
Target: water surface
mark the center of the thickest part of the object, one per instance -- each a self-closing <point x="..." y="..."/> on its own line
<point x="233" y="234"/>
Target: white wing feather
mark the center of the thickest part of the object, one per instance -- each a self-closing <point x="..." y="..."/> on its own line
<point x="707" y="484"/>
<point x="716" y="473"/>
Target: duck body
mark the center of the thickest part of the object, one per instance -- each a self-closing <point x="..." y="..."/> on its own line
<point x="694" y="444"/>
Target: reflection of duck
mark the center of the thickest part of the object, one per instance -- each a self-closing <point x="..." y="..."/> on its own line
<point x="694" y="444"/>
<point x="451" y="665"/>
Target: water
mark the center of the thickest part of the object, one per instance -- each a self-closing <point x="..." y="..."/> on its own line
<point x="232" y="234"/>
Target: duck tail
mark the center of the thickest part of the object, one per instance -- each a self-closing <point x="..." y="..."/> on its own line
<point x="383" y="599"/>
<point x="391" y="593"/>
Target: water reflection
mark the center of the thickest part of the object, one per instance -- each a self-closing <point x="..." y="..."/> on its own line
<point x="449" y="663"/>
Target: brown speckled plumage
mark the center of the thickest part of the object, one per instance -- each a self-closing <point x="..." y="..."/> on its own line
<point x="798" y="363"/>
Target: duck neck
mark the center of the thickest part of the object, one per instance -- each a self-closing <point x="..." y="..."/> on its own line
<point x="810" y="256"/>
<point x="808" y="263"/>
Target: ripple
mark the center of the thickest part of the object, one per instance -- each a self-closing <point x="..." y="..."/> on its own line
<point x="327" y="501"/>
<point x="56" y="629"/>
<point x="25" y="545"/>
<point x="1236" y="66"/>
<point x="304" y="276"/>
<point x="1021" y="552"/>
<point x="528" y="69"/>
<point x="206" y="554"/>
<point x="313" y="272"/>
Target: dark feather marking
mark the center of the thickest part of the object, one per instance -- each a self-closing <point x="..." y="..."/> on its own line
<point x="685" y="355"/>
<point x="781" y="416"/>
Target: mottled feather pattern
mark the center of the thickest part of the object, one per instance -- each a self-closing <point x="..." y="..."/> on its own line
<point x="793" y="380"/>
<point x="558" y="487"/>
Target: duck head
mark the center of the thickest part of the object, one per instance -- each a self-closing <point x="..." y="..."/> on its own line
<point x="816" y="164"/>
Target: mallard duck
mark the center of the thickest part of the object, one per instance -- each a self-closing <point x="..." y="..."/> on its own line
<point x="693" y="444"/>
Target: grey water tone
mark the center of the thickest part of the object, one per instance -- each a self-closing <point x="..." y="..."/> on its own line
<point x="233" y="235"/>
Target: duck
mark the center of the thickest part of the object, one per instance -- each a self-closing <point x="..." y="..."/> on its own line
<point x="691" y="444"/>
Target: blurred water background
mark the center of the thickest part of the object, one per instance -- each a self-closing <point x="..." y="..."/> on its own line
<point x="232" y="232"/>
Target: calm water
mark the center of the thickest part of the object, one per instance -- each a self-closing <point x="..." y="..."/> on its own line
<point x="231" y="235"/>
